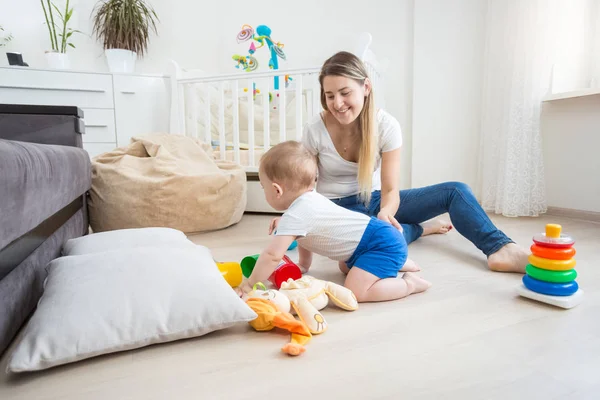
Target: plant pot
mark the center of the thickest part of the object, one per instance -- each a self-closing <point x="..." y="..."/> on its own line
<point x="120" y="60"/>
<point x="58" y="60"/>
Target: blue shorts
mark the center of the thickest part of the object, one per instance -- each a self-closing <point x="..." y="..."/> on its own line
<point x="382" y="250"/>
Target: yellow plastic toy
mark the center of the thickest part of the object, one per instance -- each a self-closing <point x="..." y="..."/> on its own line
<point x="231" y="272"/>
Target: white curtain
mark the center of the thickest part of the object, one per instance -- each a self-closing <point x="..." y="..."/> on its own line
<point x="531" y="47"/>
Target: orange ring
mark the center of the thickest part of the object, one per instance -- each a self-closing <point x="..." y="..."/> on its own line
<point x="553" y="254"/>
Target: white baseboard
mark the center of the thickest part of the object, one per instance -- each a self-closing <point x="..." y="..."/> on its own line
<point x="591" y="216"/>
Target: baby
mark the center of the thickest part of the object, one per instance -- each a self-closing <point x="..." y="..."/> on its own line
<point x="370" y="251"/>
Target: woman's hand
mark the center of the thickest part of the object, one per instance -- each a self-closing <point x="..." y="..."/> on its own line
<point x="273" y="224"/>
<point x="384" y="216"/>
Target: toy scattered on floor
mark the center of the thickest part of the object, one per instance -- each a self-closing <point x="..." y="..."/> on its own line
<point x="550" y="275"/>
<point x="231" y="272"/>
<point x="249" y="62"/>
<point x="272" y="309"/>
<point x="308" y="295"/>
<point x="287" y="269"/>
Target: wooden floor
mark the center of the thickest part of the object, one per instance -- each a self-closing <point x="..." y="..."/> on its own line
<point x="469" y="337"/>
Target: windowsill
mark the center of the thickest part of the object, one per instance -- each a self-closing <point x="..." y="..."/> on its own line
<point x="571" y="95"/>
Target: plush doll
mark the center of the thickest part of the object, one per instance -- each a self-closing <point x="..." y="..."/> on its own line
<point x="308" y="295"/>
<point x="273" y="309"/>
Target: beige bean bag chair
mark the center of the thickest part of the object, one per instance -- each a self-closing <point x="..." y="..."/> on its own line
<point x="165" y="180"/>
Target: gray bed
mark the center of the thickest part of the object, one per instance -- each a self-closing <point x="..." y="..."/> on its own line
<point x="44" y="178"/>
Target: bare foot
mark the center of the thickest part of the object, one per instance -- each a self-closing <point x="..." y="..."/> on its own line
<point x="436" y="226"/>
<point x="416" y="283"/>
<point x="510" y="258"/>
<point x="410" y="266"/>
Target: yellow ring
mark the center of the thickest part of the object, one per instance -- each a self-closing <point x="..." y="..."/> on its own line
<point x="552" y="265"/>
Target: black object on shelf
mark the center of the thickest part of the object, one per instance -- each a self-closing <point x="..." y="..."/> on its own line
<point x="16" y="59"/>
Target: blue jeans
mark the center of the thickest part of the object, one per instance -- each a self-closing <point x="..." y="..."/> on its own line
<point x="421" y="204"/>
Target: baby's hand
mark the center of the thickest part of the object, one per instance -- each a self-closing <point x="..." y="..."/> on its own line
<point x="273" y="224"/>
<point x="238" y="291"/>
<point x="303" y="269"/>
<point x="243" y="289"/>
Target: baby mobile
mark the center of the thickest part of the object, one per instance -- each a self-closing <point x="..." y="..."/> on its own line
<point x="249" y="63"/>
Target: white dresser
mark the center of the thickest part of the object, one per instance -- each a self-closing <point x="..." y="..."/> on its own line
<point x="115" y="106"/>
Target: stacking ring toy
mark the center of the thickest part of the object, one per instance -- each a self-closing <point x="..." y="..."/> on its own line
<point x="553" y="253"/>
<point x="550" y="276"/>
<point x="552" y="265"/>
<point x="552" y="289"/>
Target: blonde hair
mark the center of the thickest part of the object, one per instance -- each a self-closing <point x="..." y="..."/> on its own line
<point x="291" y="164"/>
<point x="348" y="65"/>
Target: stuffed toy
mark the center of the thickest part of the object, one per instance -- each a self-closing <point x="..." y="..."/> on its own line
<point x="273" y="309"/>
<point x="308" y="295"/>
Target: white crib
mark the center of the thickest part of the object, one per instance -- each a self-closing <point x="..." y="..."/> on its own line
<point x="242" y="116"/>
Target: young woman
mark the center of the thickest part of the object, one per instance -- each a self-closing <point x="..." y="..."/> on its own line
<point x="358" y="150"/>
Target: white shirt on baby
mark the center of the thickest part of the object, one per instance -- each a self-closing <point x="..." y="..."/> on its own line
<point x="323" y="227"/>
<point x="337" y="176"/>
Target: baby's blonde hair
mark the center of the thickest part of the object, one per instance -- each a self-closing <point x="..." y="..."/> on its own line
<point x="290" y="164"/>
<point x="350" y="66"/>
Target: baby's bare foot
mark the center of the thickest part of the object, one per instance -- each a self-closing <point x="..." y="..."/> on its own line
<point x="416" y="283"/>
<point x="436" y="226"/>
<point x="510" y="258"/>
<point x="410" y="266"/>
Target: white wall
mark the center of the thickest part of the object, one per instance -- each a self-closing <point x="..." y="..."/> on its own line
<point x="570" y="140"/>
<point x="202" y="34"/>
<point x="448" y="70"/>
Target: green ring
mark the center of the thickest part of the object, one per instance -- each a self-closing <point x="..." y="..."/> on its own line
<point x="550" y="276"/>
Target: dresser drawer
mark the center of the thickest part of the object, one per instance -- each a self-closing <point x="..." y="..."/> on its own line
<point x="137" y="96"/>
<point x="99" y="125"/>
<point x="84" y="90"/>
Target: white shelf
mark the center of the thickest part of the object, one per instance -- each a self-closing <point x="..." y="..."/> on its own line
<point x="573" y="94"/>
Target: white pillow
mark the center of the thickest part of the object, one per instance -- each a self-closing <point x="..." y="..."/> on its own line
<point x="123" y="239"/>
<point x="119" y="300"/>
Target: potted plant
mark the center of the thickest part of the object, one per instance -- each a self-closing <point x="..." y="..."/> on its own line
<point x="5" y="39"/>
<point x="123" y="27"/>
<point x="59" y="34"/>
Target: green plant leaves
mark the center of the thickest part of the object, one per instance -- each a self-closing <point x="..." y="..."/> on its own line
<point x="63" y="17"/>
<point x="124" y="24"/>
<point x="5" y="39"/>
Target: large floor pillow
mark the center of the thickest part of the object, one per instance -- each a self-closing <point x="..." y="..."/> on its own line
<point x="165" y="180"/>
<point x="109" y="301"/>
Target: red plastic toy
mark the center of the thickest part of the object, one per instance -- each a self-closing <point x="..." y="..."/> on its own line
<point x="285" y="270"/>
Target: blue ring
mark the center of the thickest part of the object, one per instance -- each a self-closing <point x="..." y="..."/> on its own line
<point x="551" y="289"/>
<point x="293" y="245"/>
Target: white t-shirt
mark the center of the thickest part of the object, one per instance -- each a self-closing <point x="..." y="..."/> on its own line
<point x="337" y="176"/>
<point x="323" y="227"/>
